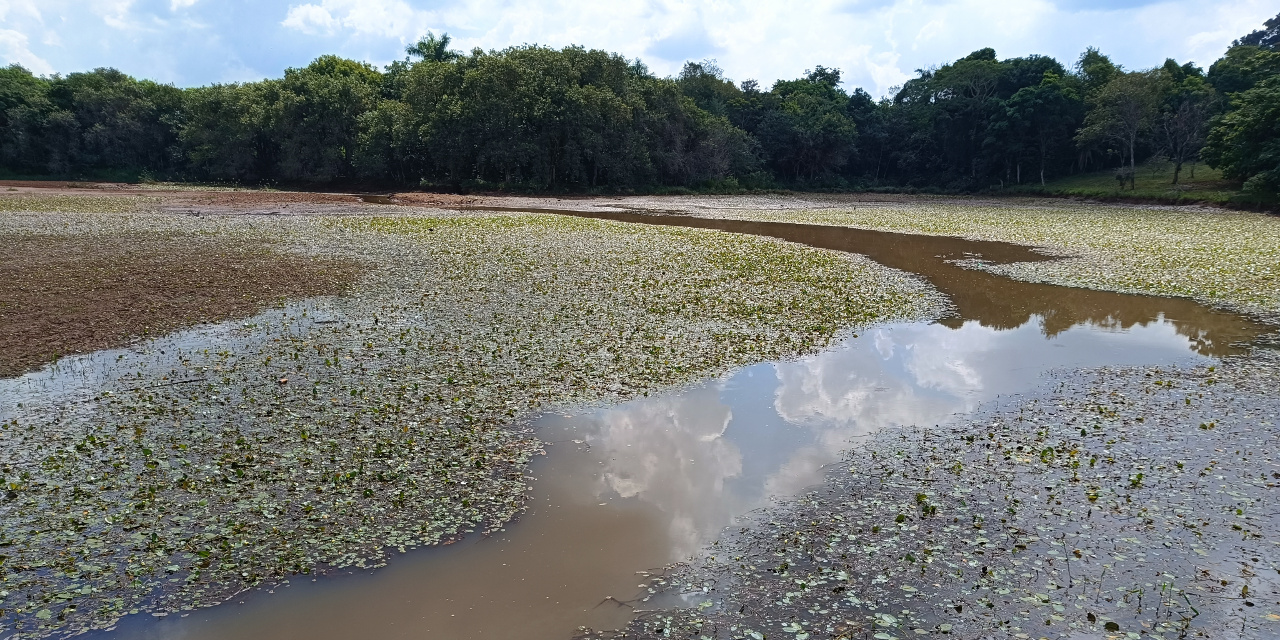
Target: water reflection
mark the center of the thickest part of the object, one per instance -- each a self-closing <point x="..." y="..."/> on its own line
<point x="637" y="486"/>
<point x="977" y="294"/>
<point x="176" y="358"/>
<point x="705" y="457"/>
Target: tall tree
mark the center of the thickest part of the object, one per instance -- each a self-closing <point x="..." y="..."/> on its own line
<point x="317" y="117"/>
<point x="1242" y="67"/>
<point x="1124" y="111"/>
<point x="1245" y="142"/>
<point x="431" y="48"/>
<point x="1184" y="115"/>
<point x="24" y="115"/>
<point x="705" y="83"/>
<point x="1045" y="114"/>
<point x="1268" y="37"/>
<point x="804" y="129"/>
<point x="229" y="131"/>
<point x="1095" y="69"/>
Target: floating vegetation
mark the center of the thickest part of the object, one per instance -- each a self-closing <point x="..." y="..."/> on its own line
<point x="177" y="473"/>
<point x="1225" y="258"/>
<point x="1097" y="508"/>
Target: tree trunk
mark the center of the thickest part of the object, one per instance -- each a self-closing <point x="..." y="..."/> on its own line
<point x="1043" y="144"/>
<point x="1177" y="169"/>
<point x="1133" y="168"/>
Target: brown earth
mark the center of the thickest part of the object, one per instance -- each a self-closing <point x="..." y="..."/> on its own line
<point x="61" y="295"/>
<point x="257" y="198"/>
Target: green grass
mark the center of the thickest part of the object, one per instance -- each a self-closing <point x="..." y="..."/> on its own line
<point x="1153" y="181"/>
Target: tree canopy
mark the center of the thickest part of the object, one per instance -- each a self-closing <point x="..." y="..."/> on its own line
<point x="533" y="118"/>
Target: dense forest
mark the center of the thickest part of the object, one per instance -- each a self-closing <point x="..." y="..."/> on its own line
<point x="531" y="118"/>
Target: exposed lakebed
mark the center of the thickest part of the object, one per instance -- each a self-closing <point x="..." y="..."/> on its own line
<point x="176" y="473"/>
<point x="625" y="490"/>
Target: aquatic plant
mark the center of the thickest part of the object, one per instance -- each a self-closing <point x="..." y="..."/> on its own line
<point x="327" y="433"/>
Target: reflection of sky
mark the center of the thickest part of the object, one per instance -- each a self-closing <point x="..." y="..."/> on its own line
<point x="707" y="455"/>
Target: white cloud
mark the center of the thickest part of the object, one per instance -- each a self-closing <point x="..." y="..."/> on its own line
<point x="19" y="9"/>
<point x="116" y="13"/>
<point x="310" y="19"/>
<point x="670" y="452"/>
<point x="379" y="18"/>
<point x="14" y="49"/>
<point x="175" y="5"/>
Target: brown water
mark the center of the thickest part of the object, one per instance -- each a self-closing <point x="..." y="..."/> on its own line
<point x="627" y="489"/>
<point x="993" y="300"/>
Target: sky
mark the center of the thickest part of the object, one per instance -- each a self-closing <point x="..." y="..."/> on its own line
<point x="877" y="44"/>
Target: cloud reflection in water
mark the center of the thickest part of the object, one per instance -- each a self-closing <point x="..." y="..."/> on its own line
<point x="703" y="457"/>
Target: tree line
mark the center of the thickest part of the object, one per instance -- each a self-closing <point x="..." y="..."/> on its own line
<point x="532" y="118"/>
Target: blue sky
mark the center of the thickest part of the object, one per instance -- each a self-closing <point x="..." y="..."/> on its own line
<point x="876" y="43"/>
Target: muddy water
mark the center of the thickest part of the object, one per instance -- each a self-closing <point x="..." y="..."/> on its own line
<point x="993" y="300"/>
<point x="627" y="489"/>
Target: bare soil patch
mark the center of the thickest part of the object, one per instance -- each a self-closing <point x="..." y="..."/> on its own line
<point x="259" y="198"/>
<point x="63" y="295"/>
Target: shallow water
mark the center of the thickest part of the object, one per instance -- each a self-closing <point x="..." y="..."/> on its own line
<point x="949" y="263"/>
<point x="168" y="360"/>
<point x="626" y="490"/>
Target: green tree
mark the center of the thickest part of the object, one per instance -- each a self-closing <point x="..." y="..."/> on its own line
<point x="1095" y="70"/>
<point x="433" y="49"/>
<point x="1245" y="142"/>
<point x="804" y="129"/>
<point x="229" y="131"/>
<point x="706" y="85"/>
<point x="1268" y="37"/>
<point x="316" y="117"/>
<point x="389" y="147"/>
<point x="874" y="139"/>
<point x="1243" y="67"/>
<point x="1124" y="111"/>
<point x="25" y="110"/>
<point x="1045" y="114"/>
<point x="106" y="121"/>
<point x="1184" y="116"/>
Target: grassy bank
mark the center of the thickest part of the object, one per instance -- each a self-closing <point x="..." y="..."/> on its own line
<point x="1152" y="183"/>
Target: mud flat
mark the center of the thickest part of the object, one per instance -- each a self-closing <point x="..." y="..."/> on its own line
<point x="332" y="431"/>
<point x="324" y="435"/>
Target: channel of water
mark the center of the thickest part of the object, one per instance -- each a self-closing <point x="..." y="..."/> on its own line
<point x="629" y="489"/>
